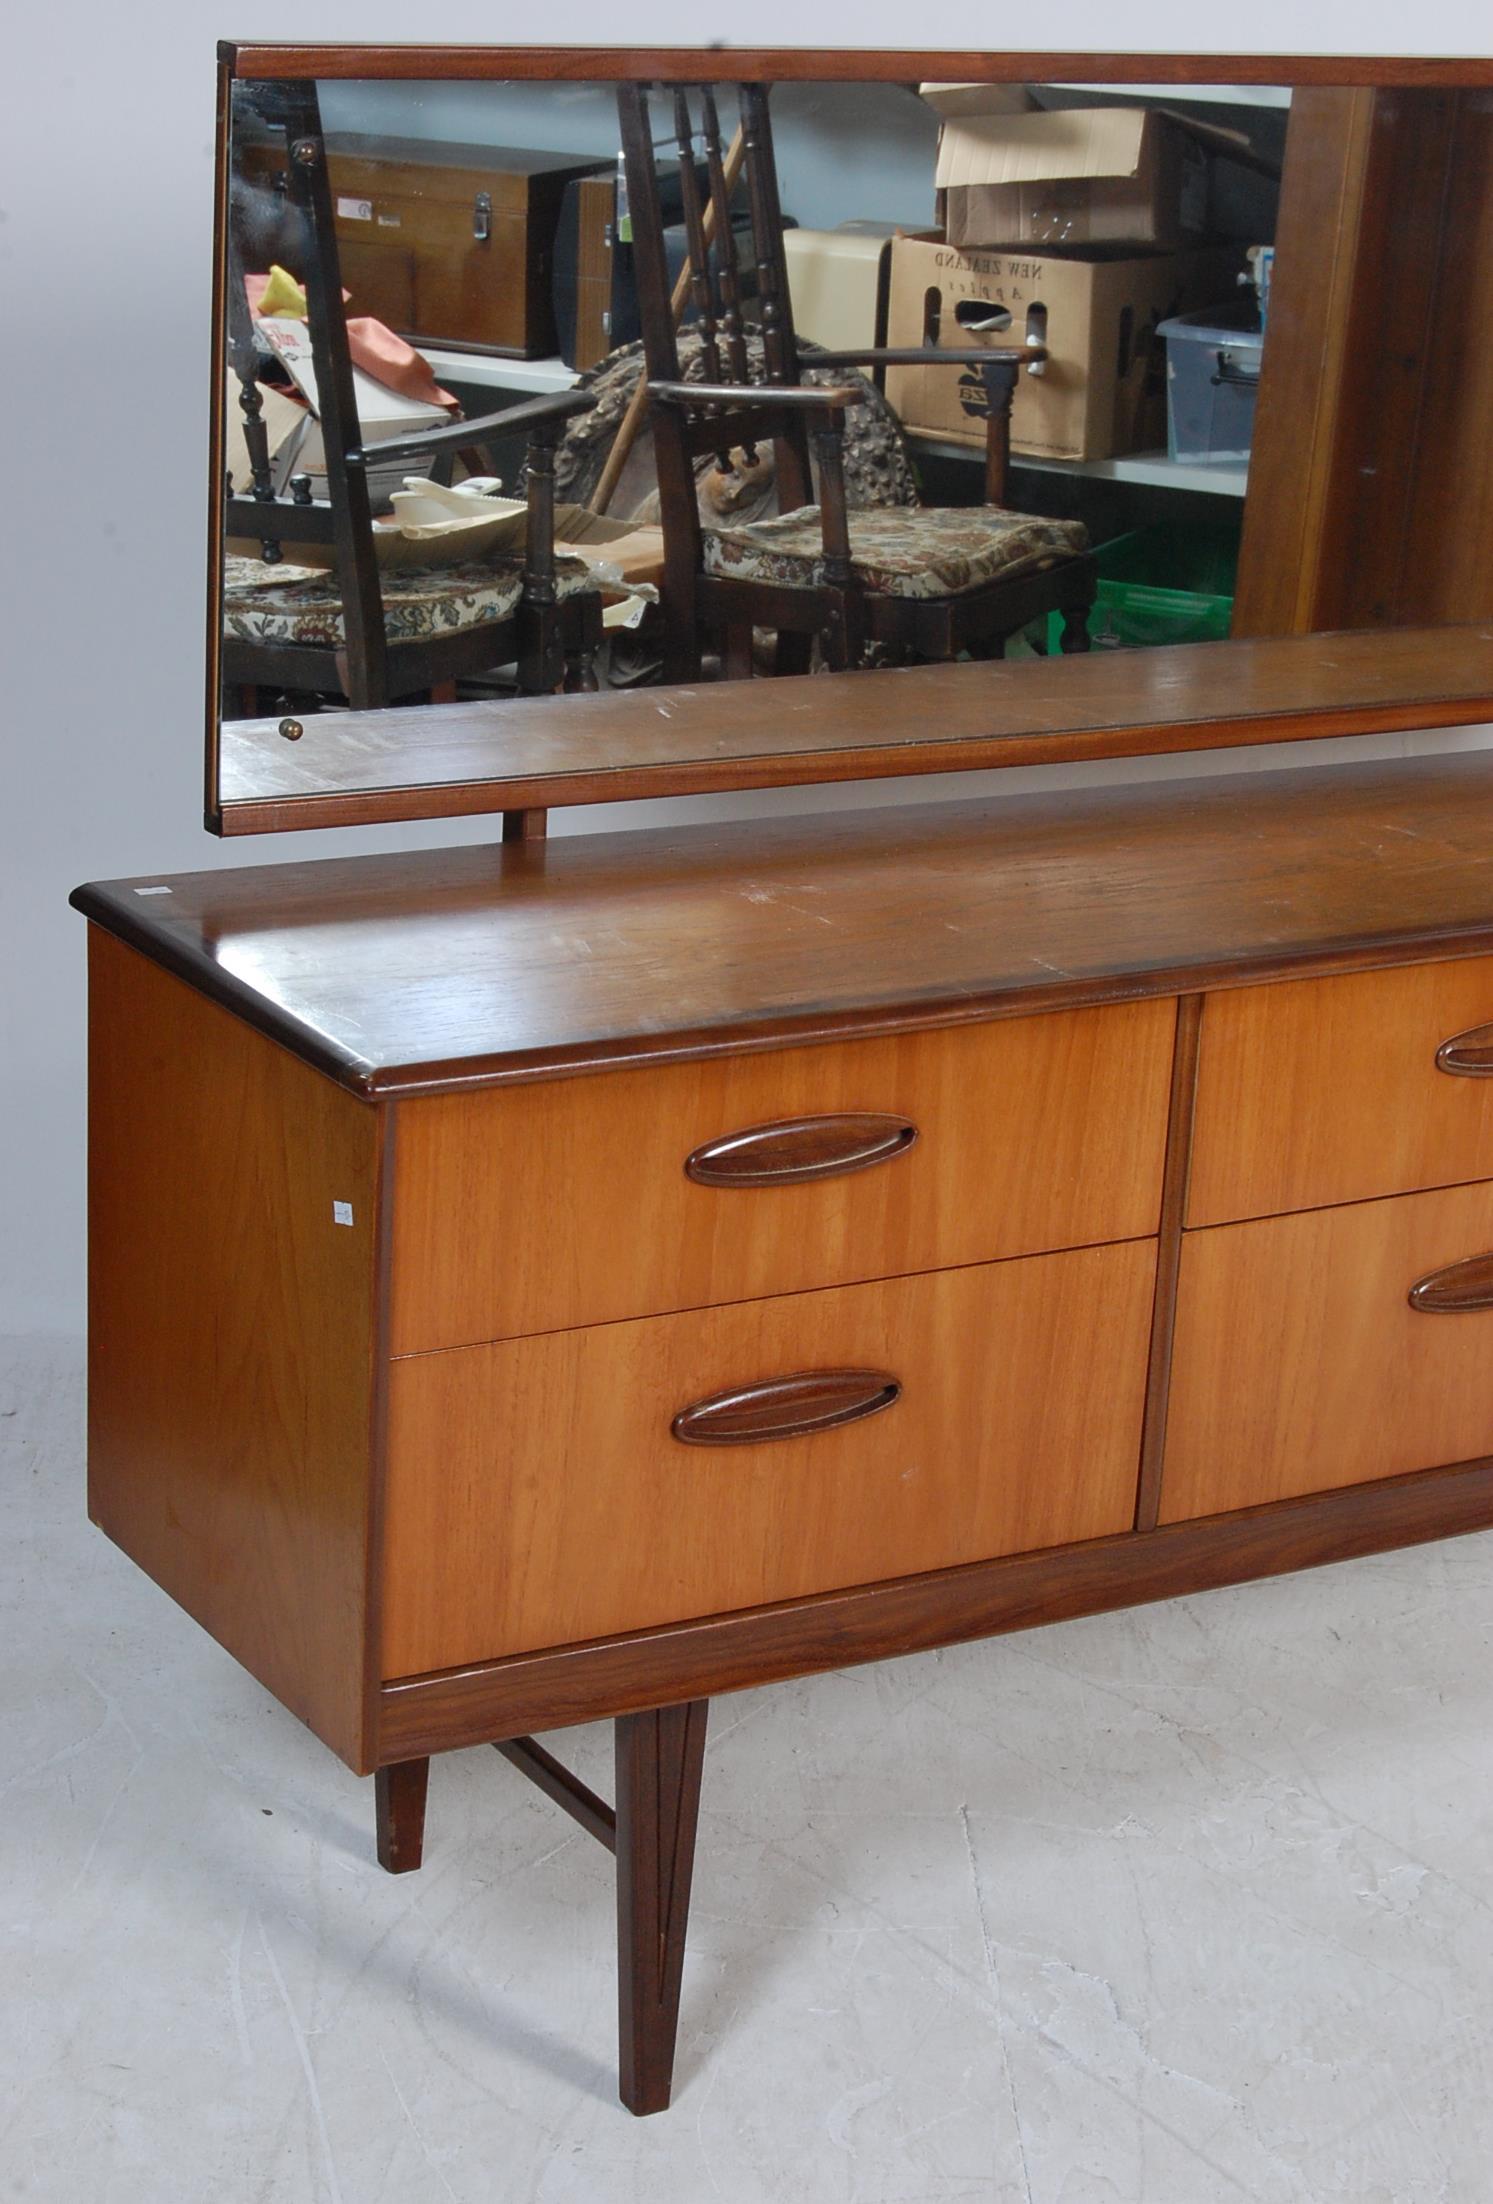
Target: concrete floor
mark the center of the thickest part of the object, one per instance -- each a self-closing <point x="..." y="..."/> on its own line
<point x="1184" y="1905"/>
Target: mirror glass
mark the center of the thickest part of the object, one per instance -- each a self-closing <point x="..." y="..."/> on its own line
<point x="1249" y="415"/>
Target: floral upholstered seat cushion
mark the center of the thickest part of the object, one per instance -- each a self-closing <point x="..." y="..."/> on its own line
<point x="302" y="604"/>
<point x="900" y="551"/>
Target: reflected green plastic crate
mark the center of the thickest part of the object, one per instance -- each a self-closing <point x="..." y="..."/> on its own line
<point x="1161" y="585"/>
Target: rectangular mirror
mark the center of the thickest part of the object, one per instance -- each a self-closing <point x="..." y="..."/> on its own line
<point x="1083" y="398"/>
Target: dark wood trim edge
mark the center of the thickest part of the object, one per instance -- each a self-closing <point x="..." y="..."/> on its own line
<point x="221" y="986"/>
<point x="212" y="703"/>
<point x="586" y="1683"/>
<point x="1169" y="1255"/>
<point x="808" y="64"/>
<point x="379" y="1374"/>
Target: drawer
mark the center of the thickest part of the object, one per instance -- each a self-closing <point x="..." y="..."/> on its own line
<point x="1332" y="1090"/>
<point x="537" y="1495"/>
<point x="1300" y="1365"/>
<point x="531" y="1208"/>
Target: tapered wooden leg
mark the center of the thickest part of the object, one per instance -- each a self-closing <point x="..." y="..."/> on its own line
<point x="399" y="1805"/>
<point x="659" y="1760"/>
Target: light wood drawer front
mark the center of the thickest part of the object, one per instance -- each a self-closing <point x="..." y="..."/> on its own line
<point x="536" y="1495"/>
<point x="1319" y="1091"/>
<point x="1301" y="1366"/>
<point x="531" y="1208"/>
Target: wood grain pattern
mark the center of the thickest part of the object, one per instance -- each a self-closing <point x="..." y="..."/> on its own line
<point x="1034" y="1134"/>
<point x="446" y="760"/>
<point x="428" y="970"/>
<point x="536" y="1497"/>
<point x="806" y="64"/>
<point x="913" y="1614"/>
<point x="1321" y="1091"/>
<point x="231" y="1333"/>
<point x="1300" y="1364"/>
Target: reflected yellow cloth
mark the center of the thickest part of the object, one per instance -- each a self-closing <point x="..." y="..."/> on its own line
<point x="281" y="295"/>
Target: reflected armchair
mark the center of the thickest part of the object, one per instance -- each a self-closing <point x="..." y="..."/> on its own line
<point x="341" y="628"/>
<point x="932" y="582"/>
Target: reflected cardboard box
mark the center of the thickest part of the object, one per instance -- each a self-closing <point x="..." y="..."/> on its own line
<point x="1069" y="179"/>
<point x="1102" y="391"/>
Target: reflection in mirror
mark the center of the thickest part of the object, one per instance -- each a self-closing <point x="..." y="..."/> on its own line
<point x="544" y="386"/>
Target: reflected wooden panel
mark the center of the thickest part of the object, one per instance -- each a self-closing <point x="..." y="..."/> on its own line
<point x="1370" y="498"/>
<point x="437" y="761"/>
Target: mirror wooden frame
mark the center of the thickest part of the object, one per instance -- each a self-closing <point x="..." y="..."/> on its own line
<point x="1292" y="679"/>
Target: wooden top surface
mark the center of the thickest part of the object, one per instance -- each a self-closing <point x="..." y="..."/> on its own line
<point x="433" y="761"/>
<point x="431" y="969"/>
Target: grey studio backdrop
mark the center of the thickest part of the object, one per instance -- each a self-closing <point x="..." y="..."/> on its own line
<point x="106" y="119"/>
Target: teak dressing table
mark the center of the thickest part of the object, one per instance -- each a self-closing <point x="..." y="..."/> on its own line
<point x="566" y="1279"/>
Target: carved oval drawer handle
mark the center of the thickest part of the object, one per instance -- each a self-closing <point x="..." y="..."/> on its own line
<point x="797" y="1148"/>
<point x="1469" y="1055"/>
<point x="1456" y="1290"/>
<point x="786" y="1407"/>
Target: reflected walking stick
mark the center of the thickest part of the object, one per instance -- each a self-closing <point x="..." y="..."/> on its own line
<point x="637" y="405"/>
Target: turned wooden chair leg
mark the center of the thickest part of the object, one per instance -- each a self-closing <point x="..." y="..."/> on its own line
<point x="659" y="1760"/>
<point x="1075" y="629"/>
<point x="399" y="1806"/>
<point x="583" y="639"/>
<point x="794" y="652"/>
<point x="681" y="633"/>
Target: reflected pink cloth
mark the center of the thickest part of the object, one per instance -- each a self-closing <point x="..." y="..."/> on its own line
<point x="395" y="364"/>
<point x="379" y="353"/>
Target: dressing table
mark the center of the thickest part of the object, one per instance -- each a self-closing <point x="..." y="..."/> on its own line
<point x="571" y="1277"/>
